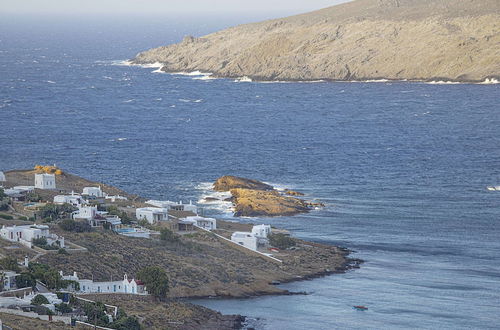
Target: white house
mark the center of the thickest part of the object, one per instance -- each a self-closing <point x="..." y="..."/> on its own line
<point x="122" y="286"/>
<point x="2" y="177"/>
<point x="174" y="205"/>
<point x="93" y="191"/>
<point x="261" y="231"/>
<point x="73" y="199"/>
<point x="86" y="212"/>
<point x="114" y="198"/>
<point x="152" y="214"/>
<point x="202" y="222"/>
<point x="24" y="189"/>
<point x="94" y="217"/>
<point x="26" y="234"/>
<point x="45" y="181"/>
<point x="245" y="239"/>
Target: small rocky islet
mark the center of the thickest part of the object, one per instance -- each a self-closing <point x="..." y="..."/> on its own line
<point x="252" y="198"/>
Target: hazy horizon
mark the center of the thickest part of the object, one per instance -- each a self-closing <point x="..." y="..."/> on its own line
<point x="158" y="7"/>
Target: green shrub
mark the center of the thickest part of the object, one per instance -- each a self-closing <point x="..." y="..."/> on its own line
<point x="40" y="242"/>
<point x="25" y="280"/>
<point x="23" y="218"/>
<point x="126" y="323"/>
<point x="39" y="300"/>
<point x="62" y="251"/>
<point x="6" y="216"/>
<point x="63" y="308"/>
<point x="281" y="241"/>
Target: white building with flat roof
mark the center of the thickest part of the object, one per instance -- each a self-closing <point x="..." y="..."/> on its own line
<point x="245" y="239"/>
<point x="73" y="199"/>
<point x="202" y="222"/>
<point x="45" y="181"/>
<point x="26" y="234"/>
<point x="2" y="177"/>
<point x="93" y="191"/>
<point x="261" y="231"/>
<point x="87" y="212"/>
<point x="152" y="214"/>
<point x="175" y="206"/>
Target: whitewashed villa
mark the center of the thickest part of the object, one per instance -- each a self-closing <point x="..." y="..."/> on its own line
<point x="174" y="205"/>
<point x="152" y="214"/>
<point x="26" y="234"/>
<point x="202" y="222"/>
<point x="73" y="199"/>
<point x="93" y="192"/>
<point x="95" y="217"/>
<point x="252" y="240"/>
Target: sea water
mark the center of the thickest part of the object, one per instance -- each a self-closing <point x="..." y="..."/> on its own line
<point x="401" y="167"/>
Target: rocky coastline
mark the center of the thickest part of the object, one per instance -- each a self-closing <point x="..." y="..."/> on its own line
<point x="199" y="264"/>
<point x="414" y="40"/>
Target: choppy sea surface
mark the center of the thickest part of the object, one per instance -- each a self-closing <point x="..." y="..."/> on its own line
<point x="402" y="167"/>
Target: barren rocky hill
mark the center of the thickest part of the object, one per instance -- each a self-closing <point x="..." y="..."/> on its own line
<point x="364" y="39"/>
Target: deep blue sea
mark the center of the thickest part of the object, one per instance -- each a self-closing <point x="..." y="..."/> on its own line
<point x="402" y="167"/>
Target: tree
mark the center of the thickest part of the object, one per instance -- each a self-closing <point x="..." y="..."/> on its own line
<point x="156" y="281"/>
<point x="2" y="194"/>
<point x="96" y="312"/>
<point x="9" y="263"/>
<point x="25" y="280"/>
<point x="39" y="300"/>
<point x="63" y="308"/>
<point x="48" y="275"/>
<point x="281" y="241"/>
<point x="40" y="242"/>
<point x="55" y="212"/>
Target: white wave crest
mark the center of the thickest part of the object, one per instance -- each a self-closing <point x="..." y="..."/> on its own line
<point x="490" y="81"/>
<point x="243" y="79"/>
<point x="193" y="73"/>
<point x="442" y="82"/>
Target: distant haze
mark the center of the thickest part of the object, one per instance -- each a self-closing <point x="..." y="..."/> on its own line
<point x="159" y="7"/>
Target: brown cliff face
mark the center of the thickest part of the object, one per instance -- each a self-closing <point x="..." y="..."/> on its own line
<point x="364" y="39"/>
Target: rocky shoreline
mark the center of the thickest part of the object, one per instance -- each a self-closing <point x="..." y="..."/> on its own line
<point x="199" y="264"/>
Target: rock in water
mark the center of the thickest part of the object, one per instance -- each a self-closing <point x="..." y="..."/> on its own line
<point x="253" y="198"/>
<point x="253" y="203"/>
<point x="228" y="182"/>
<point x="360" y="40"/>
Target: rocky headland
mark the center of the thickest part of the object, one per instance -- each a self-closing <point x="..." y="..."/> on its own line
<point x="252" y="198"/>
<point x="456" y="40"/>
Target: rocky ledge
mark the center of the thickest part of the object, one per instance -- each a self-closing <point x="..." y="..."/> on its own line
<point x="252" y="198"/>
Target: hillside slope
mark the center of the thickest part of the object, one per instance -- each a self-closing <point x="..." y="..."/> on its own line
<point x="365" y="39"/>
